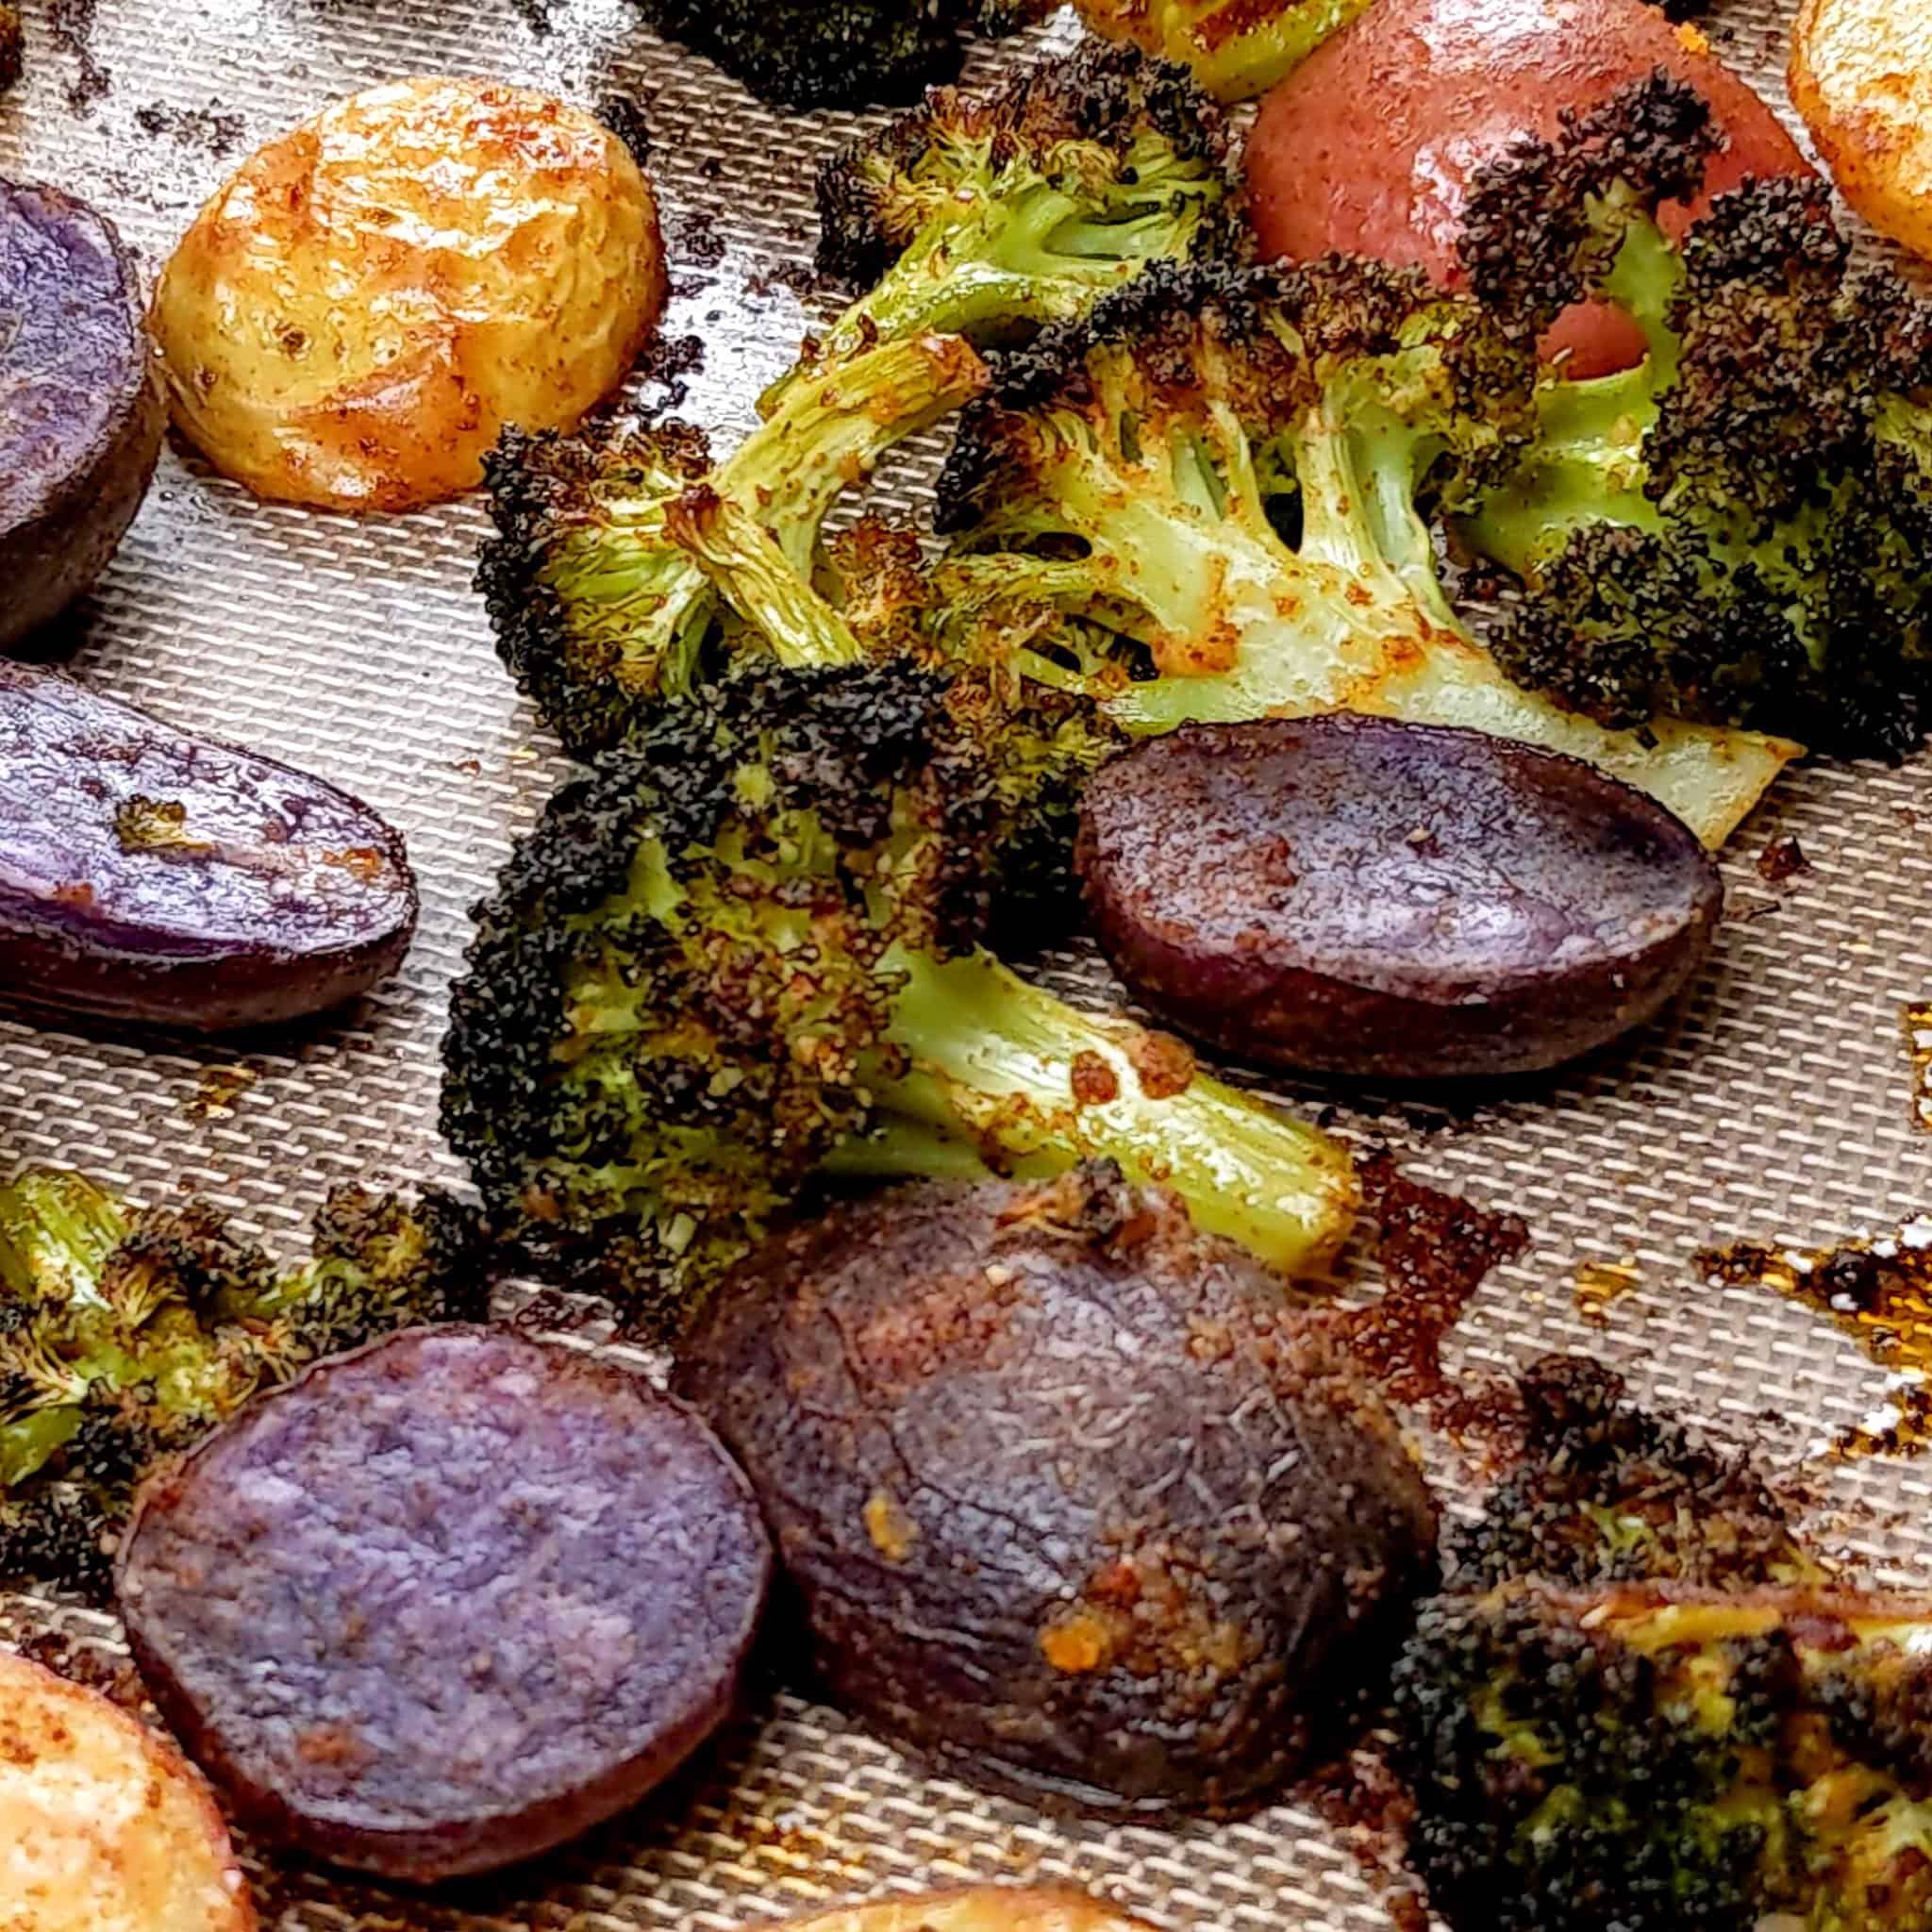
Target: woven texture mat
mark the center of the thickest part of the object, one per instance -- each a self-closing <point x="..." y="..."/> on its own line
<point x="1778" y="1105"/>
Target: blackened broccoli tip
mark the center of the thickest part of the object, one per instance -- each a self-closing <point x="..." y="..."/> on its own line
<point x="836" y="52"/>
<point x="742" y="954"/>
<point x="987" y="215"/>
<point x="125" y="1336"/>
<point x="1733" y="532"/>
<point x="1651" y="1758"/>
<point x="1607" y="1490"/>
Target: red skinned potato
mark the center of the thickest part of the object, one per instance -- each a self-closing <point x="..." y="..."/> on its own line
<point x="155" y="879"/>
<point x="1369" y="145"/>
<point x="1354" y="895"/>
<point x="81" y="415"/>
<point x="445" y="1603"/>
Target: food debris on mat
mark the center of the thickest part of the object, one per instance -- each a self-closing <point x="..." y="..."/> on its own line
<point x="1916" y="1021"/>
<point x="356" y="316"/>
<point x="985" y="1909"/>
<point x="1781" y="860"/>
<point x="1600" y="1285"/>
<point x="1078" y="1503"/>
<point x="440" y="1605"/>
<point x="12" y="46"/>
<point x="103" y="1827"/>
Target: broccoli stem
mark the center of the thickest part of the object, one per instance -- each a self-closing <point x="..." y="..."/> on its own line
<point x="988" y="1084"/>
<point x="57" y="1232"/>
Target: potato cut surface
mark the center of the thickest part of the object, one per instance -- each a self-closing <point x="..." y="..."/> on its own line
<point x="352" y="320"/>
<point x="103" y="1826"/>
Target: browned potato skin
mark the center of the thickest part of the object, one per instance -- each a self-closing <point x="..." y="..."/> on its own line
<point x="1275" y="889"/>
<point x="1076" y="1502"/>
<point x="321" y="357"/>
<point x="81" y="414"/>
<point x="1861" y="76"/>
<point x="982" y="1908"/>
<point x="104" y="1827"/>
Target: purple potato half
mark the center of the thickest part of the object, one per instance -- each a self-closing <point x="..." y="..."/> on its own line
<point x="1355" y="895"/>
<point x="156" y="879"/>
<point x="441" y="1604"/>
<point x="81" y="412"/>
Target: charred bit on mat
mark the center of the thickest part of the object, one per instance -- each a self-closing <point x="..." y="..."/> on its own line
<point x="1435" y="1250"/>
<point x="12" y="46"/>
<point x="71" y="28"/>
<point x="698" y="240"/>
<point x="206" y="128"/>
<point x="1600" y="1283"/>
<point x="1917" y="1021"/>
<point x="1877" y="1292"/>
<point x="1782" y="859"/>
<point x="1369" y="1809"/>
<point x="623" y="114"/>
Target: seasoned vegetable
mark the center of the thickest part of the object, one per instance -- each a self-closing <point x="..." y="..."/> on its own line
<point x="1237" y="48"/>
<point x="1456" y="84"/>
<point x="354" y="317"/>
<point x="103" y="1829"/>
<point x="1644" y="1759"/>
<point x="1229" y="470"/>
<point x="744" y="955"/>
<point x="1740" y="531"/>
<point x="81" y="415"/>
<point x="837" y="53"/>
<point x="152" y="877"/>
<point x="1076" y="1502"/>
<point x="444" y="1604"/>
<point x="1372" y="898"/>
<point x="985" y="1909"/>
<point x="124" y="1337"/>
<point x="1861" y="76"/>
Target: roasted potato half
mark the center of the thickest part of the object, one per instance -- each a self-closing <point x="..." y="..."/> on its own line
<point x="103" y="1826"/>
<point x="982" y="1908"/>
<point x="356" y="316"/>
<point x="1861" y="76"/>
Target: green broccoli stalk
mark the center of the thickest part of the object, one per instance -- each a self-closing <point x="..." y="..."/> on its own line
<point x="1231" y="470"/>
<point x="990" y="215"/>
<point x="1735" y="531"/>
<point x="1645" y="1759"/>
<point x="123" y="1338"/>
<point x="597" y="614"/>
<point x="742" y="955"/>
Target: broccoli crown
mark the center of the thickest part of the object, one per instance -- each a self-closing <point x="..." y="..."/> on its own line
<point x="1735" y="531"/>
<point x="836" y="52"/>
<point x="598" y="611"/>
<point x="1235" y="48"/>
<point x="988" y="215"/>
<point x="743" y="951"/>
<point x="123" y="1338"/>
<point x="1657" y="1759"/>
<point x="1605" y="1492"/>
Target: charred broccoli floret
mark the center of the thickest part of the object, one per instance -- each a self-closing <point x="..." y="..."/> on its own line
<point x="837" y="53"/>
<point x="1232" y="469"/>
<point x="1654" y="1760"/>
<point x="125" y="1336"/>
<point x="742" y="955"/>
<point x="1740" y="529"/>
<point x="597" y="612"/>
<point x="1606" y="1492"/>
<point x="990" y="215"/>
<point x="1235" y="48"/>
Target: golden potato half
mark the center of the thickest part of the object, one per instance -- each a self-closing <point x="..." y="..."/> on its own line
<point x="1861" y="76"/>
<point x="103" y="1826"/>
<point x="983" y="1909"/>
<point x="351" y="320"/>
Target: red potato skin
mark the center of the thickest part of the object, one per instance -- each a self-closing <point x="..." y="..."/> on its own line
<point x="446" y="1602"/>
<point x="302" y="899"/>
<point x="1357" y="896"/>
<point x="1369" y="147"/>
<point x="81" y="411"/>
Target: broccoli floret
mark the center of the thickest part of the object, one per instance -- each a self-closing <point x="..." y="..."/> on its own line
<point x="837" y="53"/>
<point x="1231" y="468"/>
<point x="1236" y="48"/>
<point x="125" y="1336"/>
<point x="1648" y="1759"/>
<point x="1605" y="1492"/>
<point x="596" y="612"/>
<point x="1735" y="531"/>
<point x="989" y="215"/>
<point x="742" y="954"/>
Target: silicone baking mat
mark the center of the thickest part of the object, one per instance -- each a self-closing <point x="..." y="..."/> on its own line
<point x="1778" y="1105"/>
